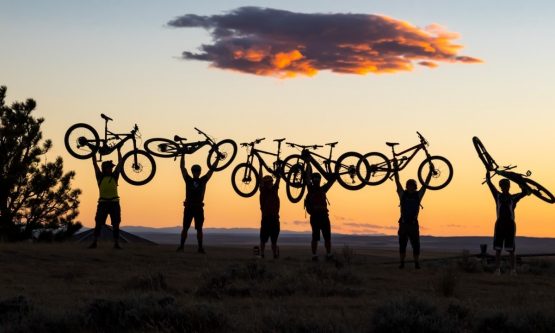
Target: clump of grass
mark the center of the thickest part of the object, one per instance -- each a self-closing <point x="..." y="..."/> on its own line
<point x="348" y="254"/>
<point x="470" y="264"/>
<point x="256" y="279"/>
<point x="231" y="280"/>
<point x="411" y="315"/>
<point x="14" y="309"/>
<point x="148" y="282"/>
<point x="520" y="321"/>
<point x="447" y="282"/>
<point x="282" y="320"/>
<point x="151" y="313"/>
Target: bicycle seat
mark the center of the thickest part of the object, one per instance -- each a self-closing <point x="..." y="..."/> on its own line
<point x="332" y="144"/>
<point x="105" y="117"/>
<point x="178" y="138"/>
<point x="392" y="144"/>
<point x="279" y="140"/>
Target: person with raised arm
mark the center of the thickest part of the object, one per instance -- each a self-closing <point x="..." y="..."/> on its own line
<point x="505" y="226"/>
<point x="269" y="207"/>
<point x="195" y="188"/>
<point x="108" y="202"/>
<point x="409" y="230"/>
<point x="316" y="205"/>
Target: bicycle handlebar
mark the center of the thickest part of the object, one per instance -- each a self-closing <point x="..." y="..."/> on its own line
<point x="201" y="132"/>
<point x="304" y="146"/>
<point x="422" y="139"/>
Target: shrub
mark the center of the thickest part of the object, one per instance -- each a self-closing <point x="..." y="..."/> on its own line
<point x="447" y="282"/>
<point x="148" y="282"/>
<point x="348" y="254"/>
<point x="411" y="316"/>
<point x="470" y="264"/>
<point x="150" y="313"/>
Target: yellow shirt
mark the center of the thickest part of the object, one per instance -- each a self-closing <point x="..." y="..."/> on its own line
<point x="108" y="188"/>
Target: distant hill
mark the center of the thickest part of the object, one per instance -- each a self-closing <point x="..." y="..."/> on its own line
<point x="249" y="237"/>
<point x="177" y="229"/>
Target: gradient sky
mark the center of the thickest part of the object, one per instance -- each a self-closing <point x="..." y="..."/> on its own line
<point x="78" y="59"/>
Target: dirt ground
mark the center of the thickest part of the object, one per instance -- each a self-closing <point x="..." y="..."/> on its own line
<point x="232" y="290"/>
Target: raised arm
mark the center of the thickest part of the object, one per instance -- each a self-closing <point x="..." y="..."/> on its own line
<point x="119" y="166"/>
<point x="330" y="181"/>
<point x="398" y="185"/>
<point x="426" y="182"/>
<point x="276" y="184"/>
<point x="492" y="188"/>
<point x="97" y="171"/>
<point x="524" y="191"/>
<point x="211" y="171"/>
<point x="184" y="171"/>
<point x="260" y="176"/>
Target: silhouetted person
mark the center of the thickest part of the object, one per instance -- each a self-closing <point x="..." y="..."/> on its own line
<point x="195" y="187"/>
<point x="108" y="202"/>
<point x="505" y="226"/>
<point x="269" y="207"/>
<point x="409" y="229"/>
<point x="316" y="204"/>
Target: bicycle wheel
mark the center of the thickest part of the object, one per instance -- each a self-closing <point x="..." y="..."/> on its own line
<point x="295" y="185"/>
<point x="376" y="169"/>
<point x="293" y="162"/>
<point x="161" y="147"/>
<point x="81" y="141"/>
<point x="346" y="171"/>
<point x="224" y="152"/>
<point x="138" y="167"/>
<point x="244" y="179"/>
<point x="483" y="154"/>
<point x="442" y="172"/>
<point x="540" y="191"/>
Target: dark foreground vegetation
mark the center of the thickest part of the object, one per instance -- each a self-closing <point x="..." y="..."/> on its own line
<point x="66" y="288"/>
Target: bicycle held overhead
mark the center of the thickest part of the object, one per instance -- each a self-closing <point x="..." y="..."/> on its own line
<point x="520" y="178"/>
<point x="245" y="177"/>
<point x="82" y="141"/>
<point x="343" y="169"/>
<point x="378" y="168"/>
<point x="224" y="151"/>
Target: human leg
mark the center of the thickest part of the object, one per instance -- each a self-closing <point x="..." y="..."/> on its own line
<point x="315" y="236"/>
<point x="99" y="220"/>
<point x="414" y="238"/>
<point x="498" y="241"/>
<point x="199" y="222"/>
<point x="274" y="234"/>
<point x="187" y="220"/>
<point x="264" y="234"/>
<point x="403" y="241"/>
<point x="326" y="233"/>
<point x="510" y="246"/>
<point x="115" y="219"/>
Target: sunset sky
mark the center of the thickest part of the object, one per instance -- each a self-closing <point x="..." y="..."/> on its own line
<point x="357" y="72"/>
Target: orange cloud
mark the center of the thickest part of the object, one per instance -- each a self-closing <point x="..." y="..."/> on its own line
<point x="280" y="43"/>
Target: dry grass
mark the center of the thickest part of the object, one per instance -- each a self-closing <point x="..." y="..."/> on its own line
<point x="65" y="287"/>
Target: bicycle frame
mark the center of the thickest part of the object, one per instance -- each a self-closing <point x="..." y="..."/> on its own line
<point x="309" y="157"/>
<point x="405" y="160"/>
<point x="254" y="152"/>
<point x="192" y="147"/>
<point x="106" y="149"/>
